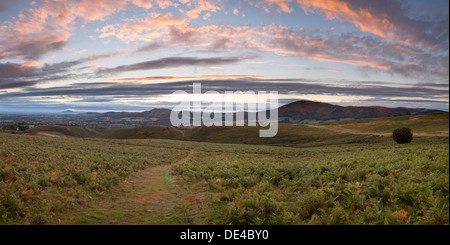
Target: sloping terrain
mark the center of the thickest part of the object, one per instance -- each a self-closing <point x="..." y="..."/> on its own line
<point x="434" y="124"/>
<point x="144" y="132"/>
<point x="343" y="132"/>
<point x="75" y="131"/>
<point x="309" y="110"/>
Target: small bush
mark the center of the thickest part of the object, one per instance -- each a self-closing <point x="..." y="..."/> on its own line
<point x="402" y="135"/>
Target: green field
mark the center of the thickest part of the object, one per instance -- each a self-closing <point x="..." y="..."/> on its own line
<point x="351" y="184"/>
<point x="306" y="175"/>
<point x="41" y="176"/>
<point x="424" y="125"/>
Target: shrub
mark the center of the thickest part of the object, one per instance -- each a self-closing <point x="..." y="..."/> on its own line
<point x="402" y="135"/>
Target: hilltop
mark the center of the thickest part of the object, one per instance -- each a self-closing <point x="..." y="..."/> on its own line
<point x="307" y="112"/>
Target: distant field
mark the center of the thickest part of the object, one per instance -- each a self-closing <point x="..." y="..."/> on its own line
<point x="434" y="124"/>
<point x="348" y="131"/>
<point x="288" y="134"/>
<point x="59" y="130"/>
<point x="144" y="132"/>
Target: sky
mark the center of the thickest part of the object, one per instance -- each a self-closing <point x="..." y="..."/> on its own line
<point x="123" y="55"/>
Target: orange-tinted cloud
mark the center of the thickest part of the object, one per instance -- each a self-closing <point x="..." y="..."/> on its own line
<point x="146" y="29"/>
<point x="201" y="6"/>
<point x="364" y="53"/>
<point x="397" y="46"/>
<point x="374" y="53"/>
<point x="99" y="9"/>
<point x="47" y="26"/>
<point x="36" y="31"/>
<point x="92" y="67"/>
<point x="33" y="46"/>
<point x="280" y="5"/>
<point x="384" y="18"/>
<point x="361" y="18"/>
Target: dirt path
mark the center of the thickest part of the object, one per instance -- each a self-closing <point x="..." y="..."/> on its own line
<point x="152" y="196"/>
<point x="48" y="134"/>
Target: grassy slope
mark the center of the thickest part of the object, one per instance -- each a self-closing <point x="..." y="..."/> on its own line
<point x="43" y="178"/>
<point x="381" y="183"/>
<point x="75" y="131"/>
<point x="344" y="132"/>
<point x="426" y="125"/>
<point x="144" y="132"/>
<point x="288" y="135"/>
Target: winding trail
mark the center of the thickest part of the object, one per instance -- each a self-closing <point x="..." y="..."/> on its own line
<point x="152" y="197"/>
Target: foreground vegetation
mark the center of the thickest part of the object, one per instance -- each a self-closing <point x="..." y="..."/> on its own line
<point x="356" y="179"/>
<point x="347" y="184"/>
<point x="41" y="176"/>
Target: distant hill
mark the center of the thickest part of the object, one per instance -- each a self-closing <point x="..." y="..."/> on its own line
<point x="75" y="131"/>
<point x="299" y="112"/>
<point x="68" y="111"/>
<point x="157" y="113"/>
<point x="309" y="111"/>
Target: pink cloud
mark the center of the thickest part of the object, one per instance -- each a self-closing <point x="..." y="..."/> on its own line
<point x="148" y="29"/>
<point x="103" y="56"/>
<point x="202" y="6"/>
<point x="99" y="9"/>
<point x="92" y="67"/>
<point x="37" y="31"/>
<point x="361" y="18"/>
<point x="15" y="69"/>
<point x="146" y="4"/>
<point x="32" y="46"/>
<point x="281" y="6"/>
<point x="396" y="47"/>
<point x="366" y="53"/>
<point x="47" y="26"/>
<point x="386" y="19"/>
<point x="166" y="3"/>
